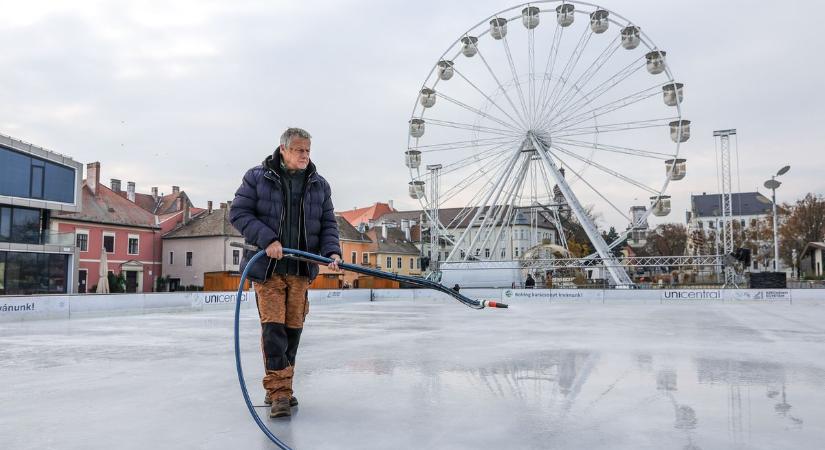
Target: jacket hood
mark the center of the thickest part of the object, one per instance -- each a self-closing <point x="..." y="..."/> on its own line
<point x="273" y="163"/>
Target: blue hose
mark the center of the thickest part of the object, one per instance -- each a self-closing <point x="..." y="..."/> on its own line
<point x="316" y="259"/>
<point x="238" y="366"/>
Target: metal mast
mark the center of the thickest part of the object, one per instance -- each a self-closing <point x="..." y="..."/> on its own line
<point x="727" y="201"/>
<point x="434" y="173"/>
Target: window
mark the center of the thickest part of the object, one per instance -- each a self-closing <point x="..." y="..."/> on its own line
<point x="109" y="242"/>
<point x="20" y="225"/>
<point x="486" y="252"/>
<point x="462" y="253"/>
<point x="412" y="263"/>
<point x="82" y="238"/>
<point x="515" y="252"/>
<point x="134" y="244"/>
<point x="399" y="264"/>
<point x="701" y="225"/>
<point x="503" y="253"/>
<point x="417" y="263"/>
<point x="33" y="273"/>
<point x="389" y="262"/>
<point x="353" y="257"/>
<point x="365" y="258"/>
<point x="171" y="258"/>
<point x="24" y="176"/>
<point x="188" y="259"/>
<point x="478" y="251"/>
<point x="236" y="257"/>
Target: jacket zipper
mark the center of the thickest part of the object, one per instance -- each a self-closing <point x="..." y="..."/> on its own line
<point x="280" y="224"/>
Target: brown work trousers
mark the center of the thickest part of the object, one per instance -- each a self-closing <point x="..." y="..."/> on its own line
<point x="282" y="307"/>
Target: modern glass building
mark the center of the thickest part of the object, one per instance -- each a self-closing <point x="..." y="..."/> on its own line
<point x="34" y="182"/>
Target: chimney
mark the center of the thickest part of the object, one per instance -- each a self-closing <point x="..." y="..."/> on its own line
<point x="178" y="204"/>
<point x="175" y="189"/>
<point x="155" y="192"/>
<point x="405" y="226"/>
<point x="229" y="204"/>
<point x="389" y="202"/>
<point x="130" y="191"/>
<point x="185" y="212"/>
<point x="115" y="183"/>
<point x="223" y="205"/>
<point x="384" y="230"/>
<point x="209" y="207"/>
<point x="93" y="176"/>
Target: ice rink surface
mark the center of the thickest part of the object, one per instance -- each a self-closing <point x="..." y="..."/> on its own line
<point x="397" y="374"/>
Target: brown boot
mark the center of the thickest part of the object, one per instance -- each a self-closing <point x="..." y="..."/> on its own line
<point x="292" y="401"/>
<point x="280" y="408"/>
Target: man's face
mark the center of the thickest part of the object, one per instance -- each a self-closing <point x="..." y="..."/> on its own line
<point x="296" y="156"/>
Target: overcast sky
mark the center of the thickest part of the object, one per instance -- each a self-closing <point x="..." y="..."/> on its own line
<point x="192" y="93"/>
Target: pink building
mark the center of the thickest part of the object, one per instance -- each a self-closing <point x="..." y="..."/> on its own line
<point x="129" y="234"/>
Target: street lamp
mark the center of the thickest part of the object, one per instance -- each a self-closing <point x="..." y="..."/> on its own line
<point x="772" y="184"/>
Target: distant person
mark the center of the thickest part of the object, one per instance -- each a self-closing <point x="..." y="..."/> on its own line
<point x="456" y="287"/>
<point x="284" y="203"/>
<point x="529" y="283"/>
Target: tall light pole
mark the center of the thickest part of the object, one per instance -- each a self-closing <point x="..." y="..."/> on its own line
<point x="772" y="184"/>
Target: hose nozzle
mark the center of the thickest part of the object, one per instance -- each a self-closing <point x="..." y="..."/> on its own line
<point x="492" y="304"/>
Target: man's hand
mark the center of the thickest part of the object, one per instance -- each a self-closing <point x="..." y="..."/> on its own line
<point x="334" y="264"/>
<point x="275" y="251"/>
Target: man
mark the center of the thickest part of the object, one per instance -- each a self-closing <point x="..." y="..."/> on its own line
<point x="284" y="203"/>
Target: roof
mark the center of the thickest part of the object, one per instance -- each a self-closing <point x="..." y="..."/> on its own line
<point x="164" y="204"/>
<point x="394" y="243"/>
<point x="447" y="216"/>
<point x="812" y="246"/>
<point x="347" y="232"/>
<point x="356" y="216"/>
<point x="205" y="224"/>
<point x="110" y="208"/>
<point x="742" y="204"/>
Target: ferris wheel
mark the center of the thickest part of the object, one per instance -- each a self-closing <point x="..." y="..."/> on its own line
<point x="546" y="107"/>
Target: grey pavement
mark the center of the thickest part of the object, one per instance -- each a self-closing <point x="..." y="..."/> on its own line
<point x="397" y="375"/>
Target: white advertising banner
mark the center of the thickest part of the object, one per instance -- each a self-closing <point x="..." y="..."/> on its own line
<point x="30" y="308"/>
<point x="553" y="295"/>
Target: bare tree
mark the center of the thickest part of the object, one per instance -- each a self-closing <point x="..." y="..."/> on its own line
<point x="805" y="223"/>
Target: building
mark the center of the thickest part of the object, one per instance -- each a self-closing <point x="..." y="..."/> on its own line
<point x="112" y="223"/>
<point x="811" y="260"/>
<point x="752" y="226"/>
<point x="168" y="208"/>
<point x="35" y="183"/>
<point x="393" y="251"/>
<point x="199" y="246"/>
<point x="523" y="233"/>
<point x="367" y="215"/>
<point x="357" y="248"/>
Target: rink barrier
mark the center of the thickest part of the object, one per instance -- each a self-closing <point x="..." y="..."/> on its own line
<point x="17" y="308"/>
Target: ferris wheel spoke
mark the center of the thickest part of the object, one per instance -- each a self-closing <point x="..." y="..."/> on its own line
<point x="465" y="162"/>
<point x="549" y="66"/>
<point x="457" y="145"/>
<point x="516" y="185"/>
<point x="531" y="70"/>
<point x="492" y="102"/>
<point x="558" y="88"/>
<point x="615" y="149"/>
<point x="511" y="126"/>
<point x="471" y="127"/>
<point x="602" y="88"/>
<point x="606" y="170"/>
<point x="576" y="118"/>
<point x="474" y="176"/>
<point x="502" y="89"/>
<point x="593" y="188"/>
<point x="613" y="127"/>
<point x="516" y="81"/>
<point x="588" y="74"/>
<point x="505" y="169"/>
<point x="487" y="208"/>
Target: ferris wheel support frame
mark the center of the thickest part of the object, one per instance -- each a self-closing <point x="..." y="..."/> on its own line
<point x="618" y="276"/>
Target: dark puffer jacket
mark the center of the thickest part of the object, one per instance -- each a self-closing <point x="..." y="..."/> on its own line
<point x="258" y="213"/>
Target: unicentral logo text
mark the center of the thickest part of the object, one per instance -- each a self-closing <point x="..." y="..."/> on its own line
<point x="692" y="295"/>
